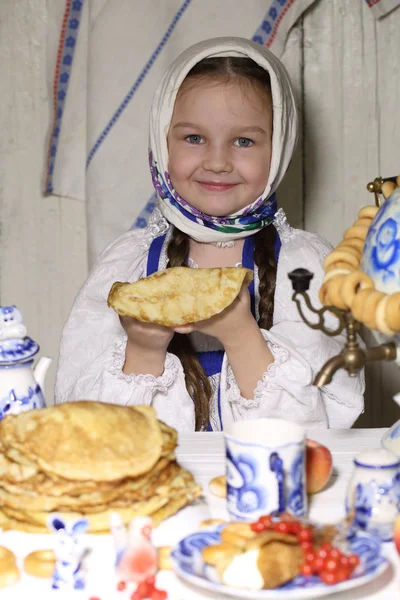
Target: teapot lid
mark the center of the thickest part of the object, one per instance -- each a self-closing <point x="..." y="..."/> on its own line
<point x="15" y="345"/>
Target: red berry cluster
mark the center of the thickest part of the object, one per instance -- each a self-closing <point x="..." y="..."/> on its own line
<point x="329" y="564"/>
<point x="146" y="590"/>
<point x="326" y="562"/>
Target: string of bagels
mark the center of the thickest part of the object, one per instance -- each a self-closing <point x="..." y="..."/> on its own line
<point x="348" y="288"/>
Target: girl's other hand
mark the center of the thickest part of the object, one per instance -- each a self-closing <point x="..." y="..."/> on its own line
<point x="146" y="347"/>
<point x="148" y="336"/>
<point x="228" y="325"/>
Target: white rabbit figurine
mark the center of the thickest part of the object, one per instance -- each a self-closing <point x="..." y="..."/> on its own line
<point x="69" y="551"/>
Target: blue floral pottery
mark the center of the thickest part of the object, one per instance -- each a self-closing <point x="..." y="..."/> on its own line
<point x="188" y="563"/>
<point x="265" y="469"/>
<point x="381" y="254"/>
<point x="20" y="385"/>
<point x="373" y="496"/>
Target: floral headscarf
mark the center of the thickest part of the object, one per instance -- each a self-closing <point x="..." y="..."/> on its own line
<point x="255" y="216"/>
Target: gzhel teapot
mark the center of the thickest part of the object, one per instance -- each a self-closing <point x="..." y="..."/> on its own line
<point x="20" y="385"/>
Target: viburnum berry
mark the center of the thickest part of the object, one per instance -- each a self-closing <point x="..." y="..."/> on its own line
<point x="328" y="578"/>
<point x="305" y="535"/>
<point x="266" y="520"/>
<point x="121" y="586"/>
<point x="258" y="527"/>
<point x="318" y="564"/>
<point x="282" y="527"/>
<point x="307" y="570"/>
<point x="354" y="560"/>
<point x="331" y="564"/>
<point x="309" y="556"/>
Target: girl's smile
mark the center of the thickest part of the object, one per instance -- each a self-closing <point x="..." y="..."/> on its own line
<point x="220" y="145"/>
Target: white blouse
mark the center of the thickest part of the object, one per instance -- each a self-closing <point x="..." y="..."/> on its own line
<point x="92" y="351"/>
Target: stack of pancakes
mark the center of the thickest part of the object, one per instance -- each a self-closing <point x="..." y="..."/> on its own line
<point x="91" y="459"/>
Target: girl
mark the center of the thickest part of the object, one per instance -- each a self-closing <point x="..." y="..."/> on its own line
<point x="223" y="128"/>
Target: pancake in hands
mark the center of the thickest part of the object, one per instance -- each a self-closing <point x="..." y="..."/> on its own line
<point x="180" y="295"/>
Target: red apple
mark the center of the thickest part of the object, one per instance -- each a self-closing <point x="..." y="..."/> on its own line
<point x="318" y="466"/>
<point x="396" y="533"/>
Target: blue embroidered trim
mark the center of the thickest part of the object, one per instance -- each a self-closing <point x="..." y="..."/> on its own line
<point x="266" y="33"/>
<point x="137" y="83"/>
<point x="61" y="86"/>
<point x="143" y="217"/>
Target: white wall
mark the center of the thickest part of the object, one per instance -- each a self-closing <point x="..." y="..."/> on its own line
<point x="42" y="239"/>
<point x="345" y="69"/>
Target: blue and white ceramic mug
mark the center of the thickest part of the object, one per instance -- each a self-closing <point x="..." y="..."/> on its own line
<point x="373" y="495"/>
<point x="265" y="468"/>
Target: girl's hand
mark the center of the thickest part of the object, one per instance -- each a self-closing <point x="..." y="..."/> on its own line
<point x="227" y="325"/>
<point x="148" y="336"/>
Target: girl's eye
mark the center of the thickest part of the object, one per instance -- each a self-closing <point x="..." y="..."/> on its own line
<point x="244" y="142"/>
<point x="193" y="139"/>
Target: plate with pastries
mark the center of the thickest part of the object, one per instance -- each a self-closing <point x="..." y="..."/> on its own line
<point x="277" y="557"/>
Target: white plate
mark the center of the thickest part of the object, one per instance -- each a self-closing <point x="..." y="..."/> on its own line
<point x="188" y="565"/>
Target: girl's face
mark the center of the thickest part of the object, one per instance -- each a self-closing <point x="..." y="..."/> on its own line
<point x="219" y="145"/>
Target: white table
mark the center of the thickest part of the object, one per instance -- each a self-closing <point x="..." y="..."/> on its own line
<point x="203" y="455"/>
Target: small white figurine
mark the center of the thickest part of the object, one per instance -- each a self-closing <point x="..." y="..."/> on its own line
<point x="136" y="557"/>
<point x="11" y="323"/>
<point x="69" y="550"/>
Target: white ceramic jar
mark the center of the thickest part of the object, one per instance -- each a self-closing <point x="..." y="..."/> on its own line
<point x="373" y="495"/>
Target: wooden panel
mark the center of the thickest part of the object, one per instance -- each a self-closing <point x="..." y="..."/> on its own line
<point x="352" y="94"/>
<point x="42" y="240"/>
<point x="290" y="194"/>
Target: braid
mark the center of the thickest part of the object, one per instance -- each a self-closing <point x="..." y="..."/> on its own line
<point x="197" y="382"/>
<point x="264" y="257"/>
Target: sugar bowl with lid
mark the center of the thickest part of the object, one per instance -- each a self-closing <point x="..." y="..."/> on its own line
<point x="373" y="495"/>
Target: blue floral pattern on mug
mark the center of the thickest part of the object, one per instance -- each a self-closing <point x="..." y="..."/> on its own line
<point x="381" y="254"/>
<point x="262" y="480"/>
<point x="296" y="494"/>
<point x="242" y="473"/>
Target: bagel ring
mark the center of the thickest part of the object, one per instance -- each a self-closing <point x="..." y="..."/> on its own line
<point x="341" y="265"/>
<point x="364" y="222"/>
<point x="333" y="294"/>
<point x="345" y="255"/>
<point x="356" y="232"/>
<point x="164" y="558"/>
<point x="368" y="212"/>
<point x="369" y="308"/>
<point x="335" y="273"/>
<point x="392" y="314"/>
<point x="354" y="282"/>
<point x="398" y="180"/>
<point x="40" y="563"/>
<point x="211" y="523"/>
<point x="357" y="307"/>
<point x="217" y="486"/>
<point x="9" y="572"/>
<point x="355" y="243"/>
<point x="323" y="294"/>
<point x="388" y="188"/>
<point x="380" y="313"/>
